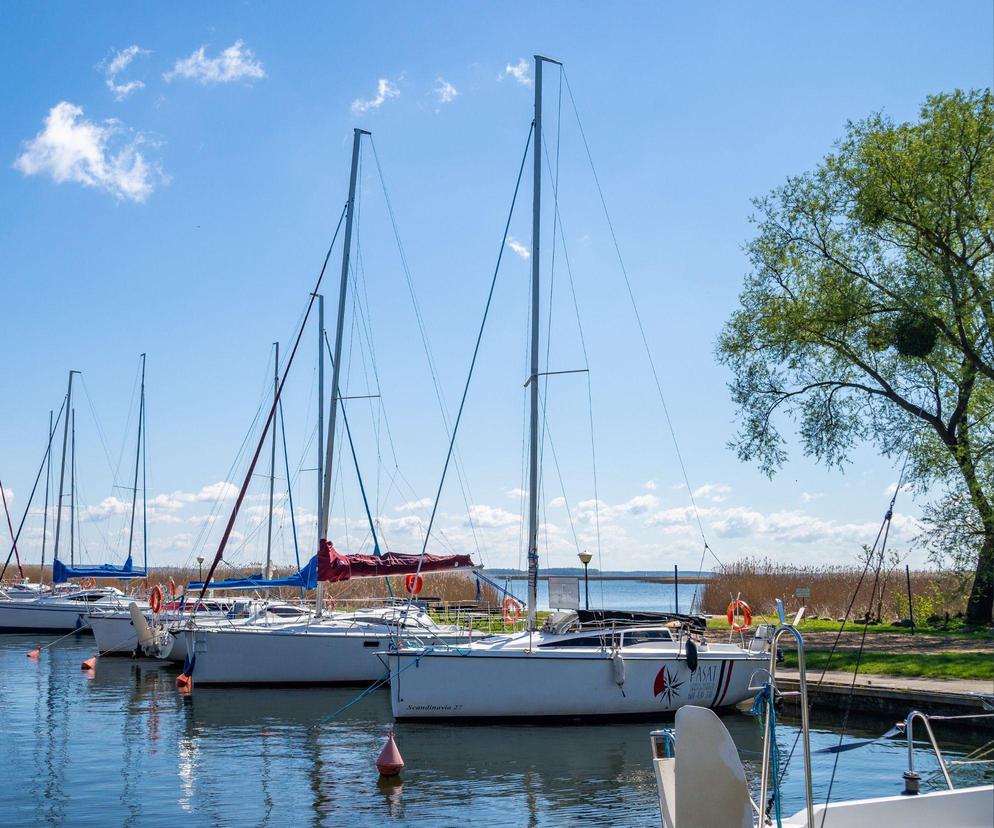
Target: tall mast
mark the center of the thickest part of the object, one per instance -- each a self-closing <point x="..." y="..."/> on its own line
<point x="533" y="493"/>
<point x="138" y="454"/>
<point x="267" y="573"/>
<point x="62" y="469"/>
<point x="72" y="493"/>
<point x="336" y="364"/>
<point x="320" y="402"/>
<point x="48" y="479"/>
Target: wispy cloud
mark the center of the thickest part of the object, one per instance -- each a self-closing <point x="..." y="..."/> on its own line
<point x="384" y="91"/>
<point x="714" y="492"/>
<point x="518" y="247"/>
<point x="444" y="91"/>
<point x="237" y="62"/>
<point x="517" y="494"/>
<point x="650" y="485"/>
<point x="413" y="505"/>
<point x="100" y="155"/>
<point x="517" y="71"/>
<point x="116" y="64"/>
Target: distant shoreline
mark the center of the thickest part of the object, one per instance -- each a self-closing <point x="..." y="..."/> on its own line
<point x="644" y="577"/>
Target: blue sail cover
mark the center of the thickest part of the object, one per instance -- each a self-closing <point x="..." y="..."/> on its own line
<point x="62" y="573"/>
<point x="306" y="578"/>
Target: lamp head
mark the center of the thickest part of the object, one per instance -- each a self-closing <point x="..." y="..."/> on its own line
<point x="585" y="557"/>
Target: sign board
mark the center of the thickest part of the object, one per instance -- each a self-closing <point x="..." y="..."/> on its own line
<point x="802" y="592"/>
<point x="564" y="593"/>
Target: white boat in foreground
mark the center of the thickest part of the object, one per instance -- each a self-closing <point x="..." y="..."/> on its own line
<point x="341" y="648"/>
<point x="579" y="664"/>
<point x="700" y="748"/>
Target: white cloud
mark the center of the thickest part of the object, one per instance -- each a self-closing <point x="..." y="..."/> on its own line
<point x="518" y="247"/>
<point x="712" y="491"/>
<point x="71" y="148"/>
<point x="650" y="485"/>
<point x="557" y="502"/>
<point x="117" y="64"/>
<point x="107" y="508"/>
<point x="237" y="62"/>
<point x="222" y="490"/>
<point x="807" y="497"/>
<point x="444" y="91"/>
<point x="892" y="488"/>
<point x="384" y="91"/>
<point x="517" y="494"/>
<point x="491" y="517"/>
<point x="517" y="71"/>
<point x="8" y="493"/>
<point x="412" y="505"/>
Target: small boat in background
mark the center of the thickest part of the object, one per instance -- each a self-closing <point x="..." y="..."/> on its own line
<point x="64" y="606"/>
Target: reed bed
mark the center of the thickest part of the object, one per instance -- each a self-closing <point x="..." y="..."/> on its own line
<point x="761" y="582"/>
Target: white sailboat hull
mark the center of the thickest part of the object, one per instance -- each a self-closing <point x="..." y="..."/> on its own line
<point x="477" y="684"/>
<point x="114" y="634"/>
<point x="20" y="615"/>
<point x="288" y="656"/>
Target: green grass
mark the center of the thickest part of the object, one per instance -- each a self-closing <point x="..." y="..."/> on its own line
<point x="956" y="628"/>
<point x="937" y="665"/>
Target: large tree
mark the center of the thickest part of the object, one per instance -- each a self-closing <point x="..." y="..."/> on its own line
<point x="869" y="315"/>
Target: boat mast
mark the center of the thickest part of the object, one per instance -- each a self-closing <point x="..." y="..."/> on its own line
<point x="336" y="364"/>
<point x="320" y="402"/>
<point x="62" y="469"/>
<point x="72" y="493"/>
<point x="267" y="573"/>
<point x="533" y="493"/>
<point x="48" y="480"/>
<point x="138" y="455"/>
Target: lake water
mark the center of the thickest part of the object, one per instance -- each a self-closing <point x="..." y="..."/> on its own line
<point x="619" y="595"/>
<point x="121" y="747"/>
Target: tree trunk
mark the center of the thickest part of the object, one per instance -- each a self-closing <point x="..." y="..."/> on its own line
<point x="980" y="607"/>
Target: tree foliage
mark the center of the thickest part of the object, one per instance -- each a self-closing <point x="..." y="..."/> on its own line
<point x="869" y="311"/>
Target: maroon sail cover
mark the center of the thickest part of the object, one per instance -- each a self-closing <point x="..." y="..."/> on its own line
<point x="335" y="567"/>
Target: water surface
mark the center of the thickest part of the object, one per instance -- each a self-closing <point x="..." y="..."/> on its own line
<point x="121" y="747"/>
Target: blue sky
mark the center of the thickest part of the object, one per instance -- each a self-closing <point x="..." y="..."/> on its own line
<point x="171" y="182"/>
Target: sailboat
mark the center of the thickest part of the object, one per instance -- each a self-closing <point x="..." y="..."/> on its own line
<point x="65" y="606"/>
<point x="335" y="648"/>
<point x="577" y="664"/>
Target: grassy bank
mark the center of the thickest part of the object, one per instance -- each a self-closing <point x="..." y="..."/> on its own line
<point x="938" y="665"/>
<point x="955" y="628"/>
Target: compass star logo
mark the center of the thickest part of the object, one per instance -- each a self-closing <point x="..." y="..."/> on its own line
<point x="666" y="685"/>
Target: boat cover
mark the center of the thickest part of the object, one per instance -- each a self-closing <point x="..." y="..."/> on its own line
<point x="335" y="567"/>
<point x="62" y="573"/>
<point x="306" y="578"/>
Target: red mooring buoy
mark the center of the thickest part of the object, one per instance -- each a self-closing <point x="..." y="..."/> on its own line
<point x="390" y="762"/>
<point x="89" y="664"/>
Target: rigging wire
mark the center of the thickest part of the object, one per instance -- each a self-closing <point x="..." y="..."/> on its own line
<point x="272" y="412"/>
<point x="476" y="348"/>
<point x="641" y="327"/>
<point x="461" y="475"/>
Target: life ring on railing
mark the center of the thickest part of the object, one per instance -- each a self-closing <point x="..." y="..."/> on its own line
<point x="512" y="611"/>
<point x="733" y="610"/>
<point x="155" y="599"/>
<point x="88" y="583"/>
<point x="413" y="583"/>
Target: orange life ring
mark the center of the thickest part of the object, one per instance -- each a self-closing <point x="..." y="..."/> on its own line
<point x="733" y="608"/>
<point x="172" y="587"/>
<point x="155" y="599"/>
<point x="512" y="611"/>
<point x="88" y="583"/>
<point x="414" y="583"/>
